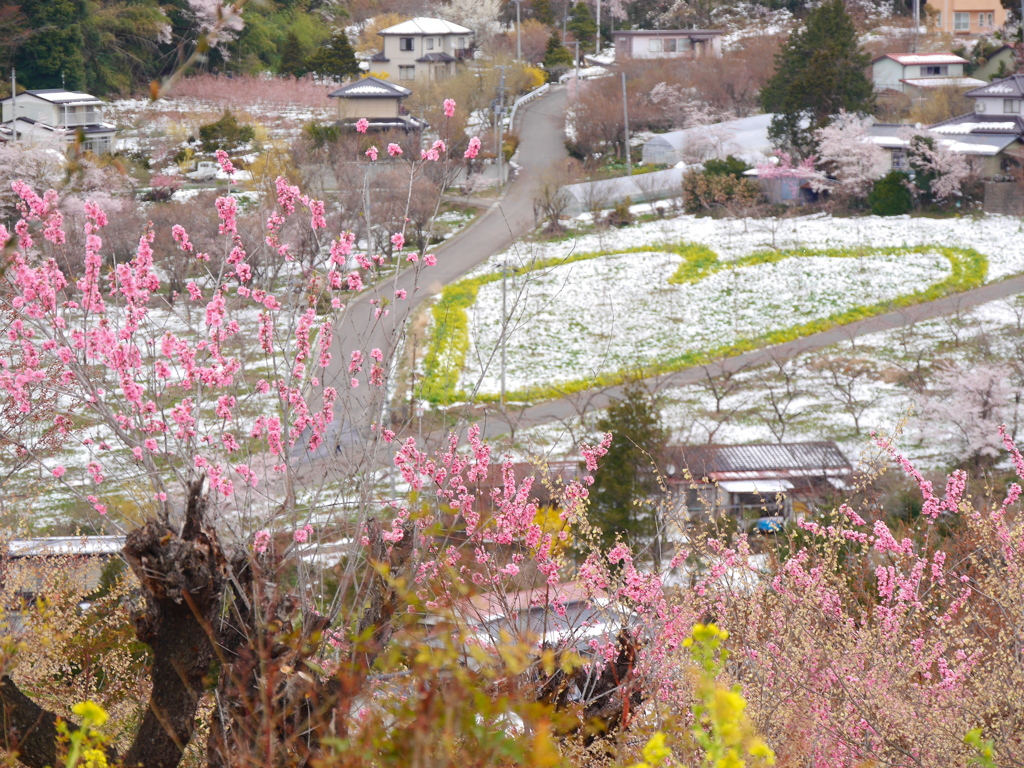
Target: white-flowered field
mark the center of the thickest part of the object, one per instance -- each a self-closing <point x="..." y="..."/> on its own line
<point x="618" y="312"/>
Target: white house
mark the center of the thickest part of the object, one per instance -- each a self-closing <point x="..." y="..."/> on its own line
<point x="421" y="49"/>
<point x="53" y="113"/>
<point x="667" y="43"/>
<point x="915" y="73"/>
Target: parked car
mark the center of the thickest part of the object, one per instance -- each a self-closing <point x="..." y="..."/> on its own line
<point x="206" y="170"/>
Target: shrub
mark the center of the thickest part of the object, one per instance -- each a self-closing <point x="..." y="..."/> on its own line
<point x="703" y="191"/>
<point x="620" y="215"/>
<point x="730" y="166"/>
<point x="890" y="196"/>
<point x="227" y="133"/>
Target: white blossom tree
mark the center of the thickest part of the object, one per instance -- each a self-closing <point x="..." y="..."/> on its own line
<point x="847" y="153"/>
<point x="939" y="171"/>
<point x="964" y="409"/>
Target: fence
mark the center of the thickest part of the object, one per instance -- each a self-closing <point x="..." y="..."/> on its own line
<point x="536" y="93"/>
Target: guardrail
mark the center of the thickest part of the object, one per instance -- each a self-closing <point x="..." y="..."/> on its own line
<point x="536" y="93"/>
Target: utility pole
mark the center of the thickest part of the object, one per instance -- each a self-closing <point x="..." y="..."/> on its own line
<point x="917" y="21"/>
<point x="597" y="42"/>
<point x="519" y="32"/>
<point x="576" y="82"/>
<point x="504" y="327"/>
<point x="500" y="120"/>
<point x="625" y="117"/>
<point x="14" y="103"/>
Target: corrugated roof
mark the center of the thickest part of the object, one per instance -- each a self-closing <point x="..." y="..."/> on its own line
<point x="943" y="82"/>
<point x="974" y="122"/>
<point x="923" y="58"/>
<point x="812" y="458"/>
<point x="669" y="32"/>
<point x="54" y="546"/>
<point x="426" y="26"/>
<point x="1012" y="86"/>
<point x="435" y="57"/>
<point x="61" y="96"/>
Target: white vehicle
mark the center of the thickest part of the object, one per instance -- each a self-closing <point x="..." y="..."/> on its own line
<point x="206" y="170"/>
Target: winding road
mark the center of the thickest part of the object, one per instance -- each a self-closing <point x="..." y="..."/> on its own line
<point x="541" y="128"/>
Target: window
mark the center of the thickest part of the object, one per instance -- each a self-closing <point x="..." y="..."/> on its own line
<point x="429" y="43"/>
<point x="462" y="43"/>
<point x="1011" y="106"/>
<point x="991" y="19"/>
<point x="654" y="45"/>
<point x="899" y="160"/>
<point x="669" y="45"/>
<point x="934" y="71"/>
<point x="407" y="73"/>
<point x="406" y="44"/>
<point x="961" y="22"/>
<point x="938" y="19"/>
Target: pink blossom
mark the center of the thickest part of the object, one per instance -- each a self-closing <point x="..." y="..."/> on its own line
<point x="301" y="536"/>
<point x="473" y="149"/>
<point x="58" y="471"/>
<point x="261" y="541"/>
<point x="430" y="259"/>
<point x="372" y="153"/>
<point x="449" y="107"/>
<point x="398" y="240"/>
<point x="362" y="124"/>
<point x="225" y="163"/>
<point x="394" y="150"/>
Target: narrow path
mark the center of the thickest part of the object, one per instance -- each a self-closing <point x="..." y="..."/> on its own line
<point x="541" y="127"/>
<point x="572" y="406"/>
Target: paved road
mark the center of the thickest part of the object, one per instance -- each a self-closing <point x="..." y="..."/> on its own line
<point x="568" y="408"/>
<point x="541" y="127"/>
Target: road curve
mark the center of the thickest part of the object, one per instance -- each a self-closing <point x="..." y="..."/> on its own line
<point x="569" y="407"/>
<point x="541" y="128"/>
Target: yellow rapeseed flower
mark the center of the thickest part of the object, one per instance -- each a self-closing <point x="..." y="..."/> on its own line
<point x="655" y="753"/>
<point x="761" y="750"/>
<point x="730" y="760"/>
<point x="91" y="713"/>
<point x="95" y="758"/>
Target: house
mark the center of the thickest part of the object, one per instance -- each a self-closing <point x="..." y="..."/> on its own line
<point x="968" y="17"/>
<point x="745" y="138"/>
<point x="752" y="482"/>
<point x="667" y="43"/>
<point x="998" y="63"/>
<point x="28" y="563"/>
<point x="421" y="49"/>
<point x="916" y="73"/>
<point x="379" y="101"/>
<point x="54" y="114"/>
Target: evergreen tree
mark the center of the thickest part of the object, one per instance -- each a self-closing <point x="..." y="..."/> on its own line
<point x="54" y="55"/>
<point x="335" y="59"/>
<point x="293" y="56"/>
<point x="542" y="12"/>
<point x="582" y="24"/>
<point x="557" y="58"/>
<point x="626" y="477"/>
<point x="818" y="72"/>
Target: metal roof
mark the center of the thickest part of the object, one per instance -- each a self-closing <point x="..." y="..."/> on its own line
<point x="370" y="88"/>
<point x="812" y="458"/>
<point x="942" y="82"/>
<point x="1012" y="86"/>
<point x="974" y="122"/>
<point x="672" y="32"/>
<point x="425" y="26"/>
<point x="61" y="96"/>
<point x="923" y="58"/>
<point x="435" y="57"/>
<point x="57" y="546"/>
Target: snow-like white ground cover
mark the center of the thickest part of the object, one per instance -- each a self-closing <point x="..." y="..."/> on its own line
<point x="884" y="397"/>
<point x="1000" y="238"/>
<point x="619" y="312"/>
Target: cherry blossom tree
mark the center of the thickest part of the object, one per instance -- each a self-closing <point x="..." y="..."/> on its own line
<point x="848" y="154"/>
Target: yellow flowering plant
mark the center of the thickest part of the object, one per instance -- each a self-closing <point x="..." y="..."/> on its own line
<point x="86" y="746"/>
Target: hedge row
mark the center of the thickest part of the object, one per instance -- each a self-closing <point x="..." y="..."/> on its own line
<point x="449" y="340"/>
